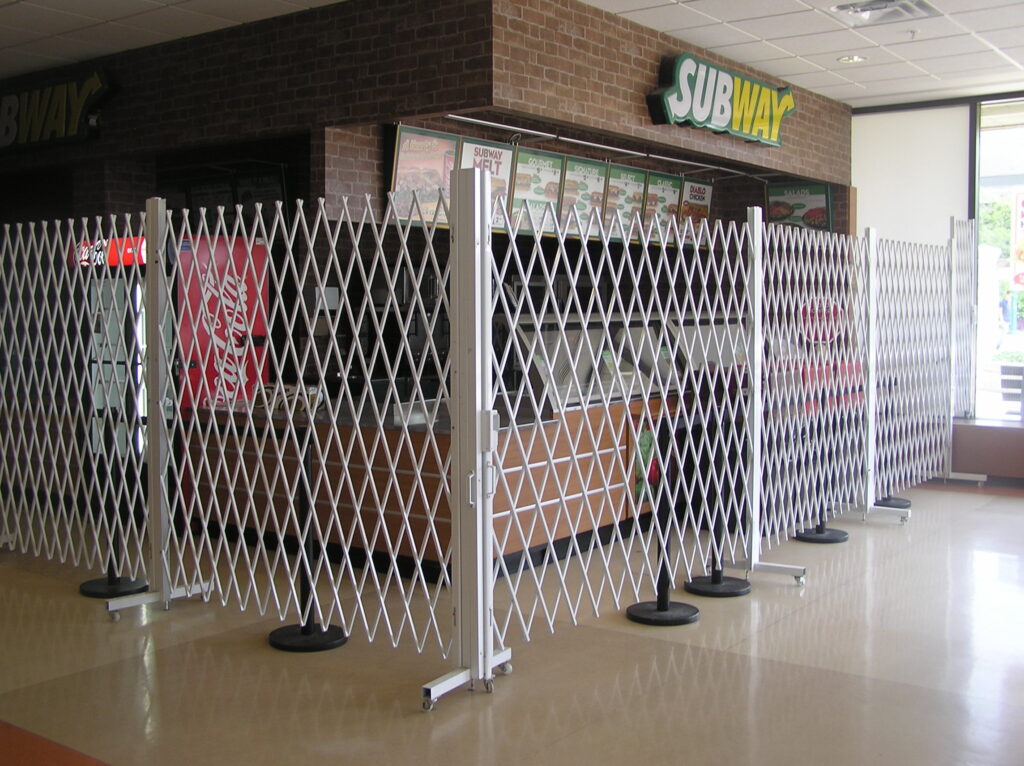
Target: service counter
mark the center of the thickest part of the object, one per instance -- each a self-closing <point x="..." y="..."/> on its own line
<point x="380" y="488"/>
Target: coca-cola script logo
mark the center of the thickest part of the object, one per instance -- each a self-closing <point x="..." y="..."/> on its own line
<point x="225" y="302"/>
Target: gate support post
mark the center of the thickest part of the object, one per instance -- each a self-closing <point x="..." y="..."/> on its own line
<point x="891" y="505"/>
<point x="158" y="394"/>
<point x="474" y="431"/>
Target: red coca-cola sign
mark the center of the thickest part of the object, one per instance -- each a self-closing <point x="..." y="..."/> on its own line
<point x="222" y="289"/>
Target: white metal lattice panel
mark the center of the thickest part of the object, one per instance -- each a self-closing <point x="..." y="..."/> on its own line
<point x="965" y="325"/>
<point x="619" y="359"/>
<point x="309" y="420"/>
<point x="815" y="315"/>
<point x="913" y="430"/>
<point x="72" y="430"/>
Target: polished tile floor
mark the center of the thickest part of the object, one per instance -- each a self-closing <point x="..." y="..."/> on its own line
<point x="905" y="646"/>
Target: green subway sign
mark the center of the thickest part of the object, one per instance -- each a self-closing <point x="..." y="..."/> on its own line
<point x="49" y="113"/>
<point x="705" y="95"/>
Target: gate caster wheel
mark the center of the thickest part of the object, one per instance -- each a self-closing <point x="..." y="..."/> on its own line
<point x="801" y="579"/>
<point x="505" y="668"/>
<point x="428" y="706"/>
<point x="115" y="617"/>
<point x="489" y="685"/>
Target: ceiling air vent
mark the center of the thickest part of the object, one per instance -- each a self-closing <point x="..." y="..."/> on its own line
<point x="868" y="13"/>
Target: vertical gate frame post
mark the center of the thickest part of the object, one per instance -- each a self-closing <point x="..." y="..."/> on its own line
<point x="157" y="394"/>
<point x="872" y="504"/>
<point x="474" y="439"/>
<point x="755" y="412"/>
<point x="870" y="369"/>
<point x="951" y="365"/>
<point x="972" y="354"/>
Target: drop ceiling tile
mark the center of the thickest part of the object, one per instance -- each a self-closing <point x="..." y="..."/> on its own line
<point x="250" y="10"/>
<point x="992" y="18"/>
<point x="805" y="45"/>
<point x="785" y="67"/>
<point x="668" y="16"/>
<point x="983" y="76"/>
<point x="788" y="24"/>
<point x="954" y="6"/>
<point x="175" y="22"/>
<point x="713" y="35"/>
<point x="904" y="85"/>
<point x="963" y="63"/>
<point x="67" y="47"/>
<point x="116" y="36"/>
<point x="875" y="55"/>
<point x="12" y="35"/>
<point x="733" y="10"/>
<point x="747" y="52"/>
<point x="1017" y="54"/>
<point x="817" y="79"/>
<point x="1009" y="37"/>
<point x="908" y="31"/>
<point x="38" y="18"/>
<point x="841" y="92"/>
<point x="102" y="10"/>
<point x="899" y="70"/>
<point x="939" y="46"/>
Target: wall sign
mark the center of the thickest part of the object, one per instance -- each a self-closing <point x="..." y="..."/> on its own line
<point x="424" y="161"/>
<point x="805" y="205"/>
<point x="538" y="188"/>
<point x="704" y="95"/>
<point x="497" y="158"/>
<point x="49" y="114"/>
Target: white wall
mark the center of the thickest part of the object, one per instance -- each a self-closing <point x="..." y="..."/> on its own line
<point x="910" y="169"/>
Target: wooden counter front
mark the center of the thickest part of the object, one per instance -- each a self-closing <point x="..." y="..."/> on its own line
<point x="394" y="482"/>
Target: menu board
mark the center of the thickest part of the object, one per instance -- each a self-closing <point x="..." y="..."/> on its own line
<point x="695" y="204"/>
<point x="662" y="200"/>
<point x="805" y="205"/>
<point x="424" y="160"/>
<point x="538" y="182"/>
<point x="497" y="158"/>
<point x="583" y="190"/>
<point x="625" y="193"/>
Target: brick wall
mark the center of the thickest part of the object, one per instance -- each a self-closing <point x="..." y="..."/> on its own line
<point x="574" y="64"/>
<point x="353" y="166"/>
<point x="357" y="62"/>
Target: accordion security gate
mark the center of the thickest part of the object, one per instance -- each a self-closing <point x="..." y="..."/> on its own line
<point x="624" y="399"/>
<point x="72" y="344"/>
<point x="622" y="378"/>
<point x="816" y="306"/>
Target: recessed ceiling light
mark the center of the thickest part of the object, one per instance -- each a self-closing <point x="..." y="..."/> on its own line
<point x="855" y="59"/>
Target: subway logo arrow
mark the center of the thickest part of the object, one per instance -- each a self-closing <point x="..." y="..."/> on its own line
<point x="51" y="113"/>
<point x="697" y="92"/>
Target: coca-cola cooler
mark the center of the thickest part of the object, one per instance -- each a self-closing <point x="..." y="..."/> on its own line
<point x="222" y="305"/>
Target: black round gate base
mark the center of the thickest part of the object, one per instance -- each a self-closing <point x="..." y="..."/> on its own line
<point x="299" y="638"/>
<point x="112" y="587"/>
<point x="899" y="503"/>
<point x="822" y="536"/>
<point x="647" y="613"/>
<point x="718" y="587"/>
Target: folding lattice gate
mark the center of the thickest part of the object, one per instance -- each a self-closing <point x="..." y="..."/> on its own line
<point x="620" y="398"/>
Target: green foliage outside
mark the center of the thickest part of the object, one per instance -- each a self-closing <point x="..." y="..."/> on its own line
<point x="994" y="225"/>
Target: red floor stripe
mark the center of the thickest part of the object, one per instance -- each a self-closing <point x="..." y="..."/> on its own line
<point x="23" y="748"/>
